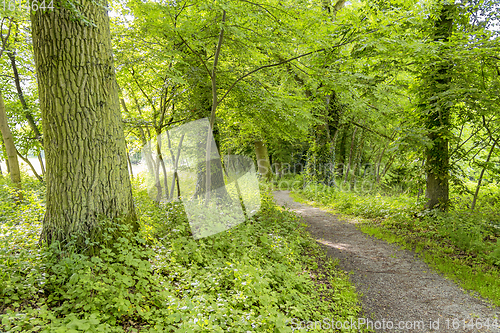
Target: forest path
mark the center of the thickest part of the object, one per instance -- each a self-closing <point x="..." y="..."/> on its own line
<point x="395" y="284"/>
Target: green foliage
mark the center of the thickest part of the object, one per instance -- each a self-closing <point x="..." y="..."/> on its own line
<point x="291" y="182"/>
<point x="254" y="277"/>
<point x="367" y="205"/>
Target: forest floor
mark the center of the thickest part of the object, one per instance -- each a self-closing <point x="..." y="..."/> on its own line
<point x="395" y="285"/>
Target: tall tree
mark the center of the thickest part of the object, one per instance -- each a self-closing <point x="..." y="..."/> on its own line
<point x="87" y="176"/>
<point x="437" y="111"/>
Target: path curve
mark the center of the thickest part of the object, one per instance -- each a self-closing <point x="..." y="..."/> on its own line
<point x="395" y="284"/>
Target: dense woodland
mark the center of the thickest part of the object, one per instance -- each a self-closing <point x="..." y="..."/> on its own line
<point x="388" y="110"/>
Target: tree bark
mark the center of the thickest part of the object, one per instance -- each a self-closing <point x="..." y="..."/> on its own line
<point x="204" y="100"/>
<point x="262" y="156"/>
<point x="4" y="151"/>
<point x="8" y="140"/>
<point x="86" y="157"/>
<point x="438" y="119"/>
<point x="40" y="160"/>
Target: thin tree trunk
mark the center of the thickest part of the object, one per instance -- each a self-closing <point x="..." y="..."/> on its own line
<point x="8" y="140"/>
<point x="388" y="165"/>
<point x="26" y="110"/>
<point x="2" y="146"/>
<point x="212" y="113"/>
<point x="262" y="156"/>
<point x="353" y="141"/>
<point x="175" y="161"/>
<point x="159" y="191"/>
<point x="160" y="163"/>
<point x="473" y="205"/>
<point x="145" y="143"/>
<point x="130" y="165"/>
<point x="40" y="159"/>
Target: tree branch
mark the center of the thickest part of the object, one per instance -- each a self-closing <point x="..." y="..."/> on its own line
<point x="214" y="72"/>
<point x="370" y="130"/>
<point x="280" y="63"/>
<point x="4" y="40"/>
<point x="196" y="54"/>
<point x="31" y="165"/>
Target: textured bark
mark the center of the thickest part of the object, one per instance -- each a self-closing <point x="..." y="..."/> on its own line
<point x="438" y="120"/>
<point x="8" y="140"/>
<point x="86" y="158"/>
<point x="262" y="156"/>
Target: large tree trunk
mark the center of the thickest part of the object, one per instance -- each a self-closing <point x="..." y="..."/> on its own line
<point x="8" y="140"/>
<point x="86" y="158"/>
<point x="438" y="119"/>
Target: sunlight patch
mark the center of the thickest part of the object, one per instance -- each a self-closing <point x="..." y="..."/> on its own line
<point x="177" y="163"/>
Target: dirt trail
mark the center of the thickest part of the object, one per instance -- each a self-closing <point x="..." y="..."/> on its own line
<point x="395" y="284"/>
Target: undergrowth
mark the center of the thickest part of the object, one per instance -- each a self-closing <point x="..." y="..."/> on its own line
<point x="463" y="245"/>
<point x="256" y="277"/>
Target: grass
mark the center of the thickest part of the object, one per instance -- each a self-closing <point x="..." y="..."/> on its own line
<point x="259" y="276"/>
<point x="463" y="246"/>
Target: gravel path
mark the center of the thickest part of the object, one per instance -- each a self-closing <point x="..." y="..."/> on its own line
<point x="398" y="289"/>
